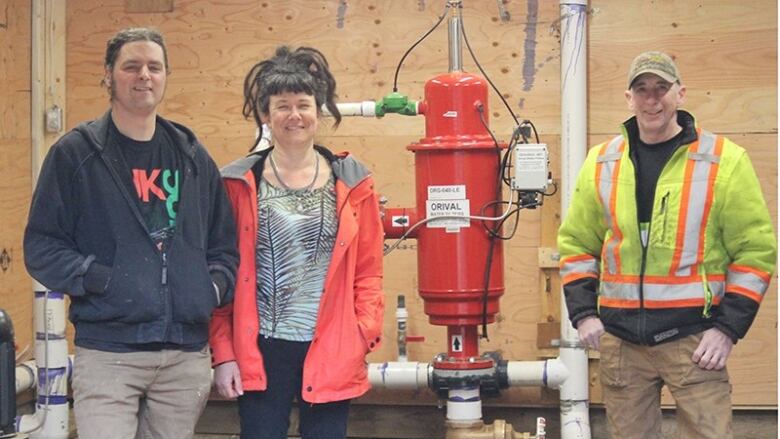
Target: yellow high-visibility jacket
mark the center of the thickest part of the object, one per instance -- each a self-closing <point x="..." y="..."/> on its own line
<point x="707" y="256"/>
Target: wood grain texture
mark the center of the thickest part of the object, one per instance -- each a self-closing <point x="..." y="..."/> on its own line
<point x="15" y="184"/>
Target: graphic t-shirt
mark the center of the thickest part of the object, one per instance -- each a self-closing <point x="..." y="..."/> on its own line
<point x="154" y="177"/>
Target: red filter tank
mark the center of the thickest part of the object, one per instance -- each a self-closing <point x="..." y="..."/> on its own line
<point x="456" y="170"/>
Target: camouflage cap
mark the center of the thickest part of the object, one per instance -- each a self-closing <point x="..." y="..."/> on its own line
<point x="657" y="63"/>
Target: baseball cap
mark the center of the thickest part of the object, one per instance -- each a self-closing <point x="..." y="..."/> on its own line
<point x="657" y="63"/>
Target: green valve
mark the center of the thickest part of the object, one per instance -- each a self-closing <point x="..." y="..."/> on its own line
<point x="396" y="103"/>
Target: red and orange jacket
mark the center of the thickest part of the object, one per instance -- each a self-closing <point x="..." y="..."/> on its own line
<point x="349" y="323"/>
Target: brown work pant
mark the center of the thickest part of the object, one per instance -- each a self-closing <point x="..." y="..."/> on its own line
<point x="632" y="377"/>
<point x="158" y="394"/>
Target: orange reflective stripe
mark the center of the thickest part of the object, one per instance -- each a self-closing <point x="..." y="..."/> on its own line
<point x="576" y="258"/>
<point x="700" y="172"/>
<point x="617" y="235"/>
<point x="608" y="164"/>
<point x="684" y="203"/>
<point x="577" y="276"/>
<point x="578" y="267"/>
<point x="747" y="280"/>
<point x="654" y="304"/>
<point x="714" y="167"/>
<point x="618" y="303"/>
<point x="752" y="295"/>
<point x="682" y="303"/>
<point x="763" y="275"/>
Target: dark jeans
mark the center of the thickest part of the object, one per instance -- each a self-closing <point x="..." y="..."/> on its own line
<point x="266" y="415"/>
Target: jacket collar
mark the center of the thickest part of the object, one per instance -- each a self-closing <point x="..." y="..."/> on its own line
<point x="344" y="166"/>
<point x="684" y="119"/>
<point x="96" y="133"/>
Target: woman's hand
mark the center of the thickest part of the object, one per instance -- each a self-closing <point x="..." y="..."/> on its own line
<point x="227" y="378"/>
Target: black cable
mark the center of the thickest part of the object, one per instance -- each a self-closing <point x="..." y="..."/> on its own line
<point x="487" y="78"/>
<point x="515" y="213"/>
<point x="397" y="69"/>
<point x="533" y="127"/>
<point x="492" y="233"/>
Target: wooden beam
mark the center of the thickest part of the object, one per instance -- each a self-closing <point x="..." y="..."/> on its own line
<point x="47" y="77"/>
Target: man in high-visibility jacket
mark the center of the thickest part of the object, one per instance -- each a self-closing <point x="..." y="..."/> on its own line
<point x="666" y="252"/>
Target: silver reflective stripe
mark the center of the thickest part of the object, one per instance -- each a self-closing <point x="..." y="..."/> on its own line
<point x="609" y="157"/>
<point x="699" y="190"/>
<point x="583" y="266"/>
<point x="661" y="292"/>
<point x="748" y="281"/>
<point x="608" y="162"/>
<point x="704" y="157"/>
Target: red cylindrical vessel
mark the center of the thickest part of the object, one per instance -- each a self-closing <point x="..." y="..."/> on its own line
<point x="456" y="170"/>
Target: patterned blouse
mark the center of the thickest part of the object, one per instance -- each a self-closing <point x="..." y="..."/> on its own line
<point x="295" y="236"/>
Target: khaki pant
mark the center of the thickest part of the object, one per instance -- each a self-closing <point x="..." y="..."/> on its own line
<point x="632" y="377"/>
<point x="158" y="394"/>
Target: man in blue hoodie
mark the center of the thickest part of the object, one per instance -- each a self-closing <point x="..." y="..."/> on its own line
<point x="130" y="218"/>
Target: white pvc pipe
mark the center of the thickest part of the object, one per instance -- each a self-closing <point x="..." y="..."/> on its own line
<point x="26" y="376"/>
<point x="397" y="375"/>
<point x="53" y="367"/>
<point x="549" y="373"/>
<point x="575" y="421"/>
<point x="464" y="405"/>
<point x="364" y="109"/>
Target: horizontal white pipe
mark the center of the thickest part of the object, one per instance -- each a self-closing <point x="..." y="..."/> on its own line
<point x="548" y="373"/>
<point x="365" y="109"/>
<point x="26" y="376"/>
<point x="397" y="375"/>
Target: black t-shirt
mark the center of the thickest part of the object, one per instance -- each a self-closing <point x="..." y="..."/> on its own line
<point x="650" y="161"/>
<point x="153" y="174"/>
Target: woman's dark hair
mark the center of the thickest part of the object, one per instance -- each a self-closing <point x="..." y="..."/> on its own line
<point x="303" y="70"/>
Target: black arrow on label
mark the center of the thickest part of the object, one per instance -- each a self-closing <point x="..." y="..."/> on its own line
<point x="456" y="344"/>
<point x="402" y="221"/>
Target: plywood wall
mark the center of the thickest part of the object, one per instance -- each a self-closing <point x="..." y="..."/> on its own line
<point x="15" y="180"/>
<point x="726" y="51"/>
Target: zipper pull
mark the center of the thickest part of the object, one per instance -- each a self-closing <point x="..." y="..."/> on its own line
<point x="164" y="268"/>
<point x="663" y="202"/>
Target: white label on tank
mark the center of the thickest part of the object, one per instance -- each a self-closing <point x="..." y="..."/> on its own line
<point x="450" y="192"/>
<point x="447" y="209"/>
<point x="451" y="113"/>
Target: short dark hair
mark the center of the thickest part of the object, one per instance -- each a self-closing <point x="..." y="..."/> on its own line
<point x="131" y="35"/>
<point x="303" y="70"/>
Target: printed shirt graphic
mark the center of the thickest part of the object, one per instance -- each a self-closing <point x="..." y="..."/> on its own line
<point x="295" y="236"/>
<point x="156" y="179"/>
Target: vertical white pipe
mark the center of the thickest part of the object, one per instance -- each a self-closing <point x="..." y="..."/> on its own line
<point x="464" y="405"/>
<point x="575" y="421"/>
<point x="50" y="420"/>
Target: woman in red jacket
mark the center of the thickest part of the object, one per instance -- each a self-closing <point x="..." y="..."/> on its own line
<point x="309" y="301"/>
